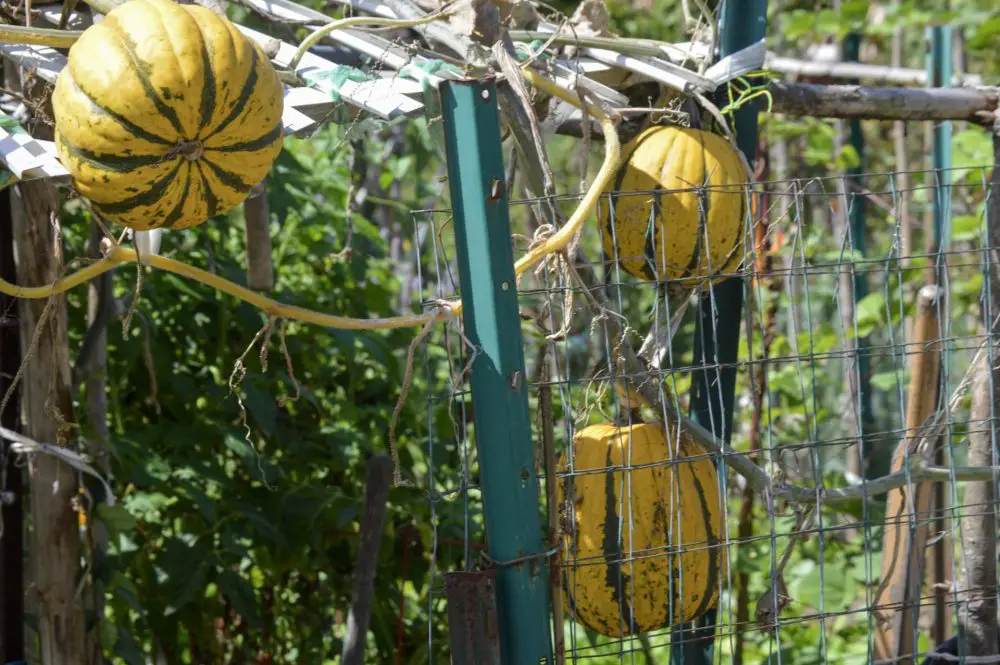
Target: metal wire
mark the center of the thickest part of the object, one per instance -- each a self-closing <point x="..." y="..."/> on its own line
<point x="808" y="420"/>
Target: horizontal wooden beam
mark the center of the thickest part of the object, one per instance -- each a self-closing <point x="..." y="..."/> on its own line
<point x="976" y="105"/>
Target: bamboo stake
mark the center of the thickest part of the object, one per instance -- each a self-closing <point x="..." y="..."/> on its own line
<point x="377" y="484"/>
<point x="897" y="602"/>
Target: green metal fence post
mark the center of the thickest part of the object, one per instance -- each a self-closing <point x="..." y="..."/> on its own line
<point x="499" y="388"/>
<point x="743" y="23"/>
<point x="856" y="218"/>
<point x="939" y="74"/>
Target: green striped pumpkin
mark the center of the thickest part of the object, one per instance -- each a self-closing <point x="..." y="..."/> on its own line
<point x="630" y="561"/>
<point x="166" y="115"/>
<point x="676" y="209"/>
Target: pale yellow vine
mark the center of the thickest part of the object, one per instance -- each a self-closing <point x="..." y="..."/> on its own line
<point x="19" y="34"/>
<point x="443" y="312"/>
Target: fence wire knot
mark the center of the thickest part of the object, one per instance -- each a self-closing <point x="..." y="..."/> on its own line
<point x="486" y="561"/>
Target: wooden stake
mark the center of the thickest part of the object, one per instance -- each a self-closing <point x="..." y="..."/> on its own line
<point x="48" y="412"/>
<point x="257" y="216"/>
<point x="897" y="603"/>
<point x="12" y="494"/>
<point x="979" y="532"/>
<point x="372" y="521"/>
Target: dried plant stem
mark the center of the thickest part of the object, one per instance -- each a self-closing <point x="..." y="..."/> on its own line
<point x="546" y="420"/>
<point x="404" y="391"/>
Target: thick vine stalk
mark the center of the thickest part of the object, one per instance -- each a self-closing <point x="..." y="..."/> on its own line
<point x="118" y="255"/>
<point x="19" y="34"/>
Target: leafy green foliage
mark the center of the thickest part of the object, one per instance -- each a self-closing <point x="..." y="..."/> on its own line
<point x="235" y="542"/>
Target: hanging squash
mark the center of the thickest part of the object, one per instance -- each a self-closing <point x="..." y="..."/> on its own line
<point x="631" y="565"/>
<point x="166" y="115"/>
<point x="695" y="228"/>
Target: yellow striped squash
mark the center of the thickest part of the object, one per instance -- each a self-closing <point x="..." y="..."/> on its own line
<point x="629" y="562"/>
<point x="166" y="114"/>
<point x="677" y="235"/>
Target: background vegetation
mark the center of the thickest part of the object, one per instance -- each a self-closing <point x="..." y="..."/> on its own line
<point x="238" y="548"/>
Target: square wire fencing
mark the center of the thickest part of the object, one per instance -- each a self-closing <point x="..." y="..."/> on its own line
<point x="847" y="521"/>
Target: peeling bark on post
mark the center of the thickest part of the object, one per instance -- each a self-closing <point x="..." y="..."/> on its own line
<point x="47" y="409"/>
<point x="979" y="535"/>
<point x="46" y="414"/>
<point x="12" y="542"/>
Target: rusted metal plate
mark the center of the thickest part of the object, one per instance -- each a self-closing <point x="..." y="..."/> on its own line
<point x="472" y="617"/>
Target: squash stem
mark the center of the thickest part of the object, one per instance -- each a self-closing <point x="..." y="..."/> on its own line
<point x="612" y="158"/>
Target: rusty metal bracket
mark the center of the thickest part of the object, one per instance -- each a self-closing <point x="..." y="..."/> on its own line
<point x="472" y="617"/>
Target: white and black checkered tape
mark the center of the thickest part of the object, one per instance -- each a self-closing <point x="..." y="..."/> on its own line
<point x="305" y="107"/>
<point x="29" y="158"/>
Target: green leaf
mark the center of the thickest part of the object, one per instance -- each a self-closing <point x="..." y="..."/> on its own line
<point x="985" y="33"/>
<point x="870" y="314"/>
<point x="967" y="227"/>
<point x="127" y="648"/>
<point x="888" y="381"/>
<point x="108" y="635"/>
<point x="263" y="526"/>
<point x="240" y="595"/>
<point x="827" y="22"/>
<point x="792" y="655"/>
<point x="972" y="151"/>
<point x="231" y="544"/>
<point x="148" y="505"/>
<point x="206" y="506"/>
<point x="262" y="408"/>
<point x="125" y="589"/>
<point x="116" y="518"/>
<point x="185" y="589"/>
<point x="180" y="285"/>
<point x="241" y="447"/>
<point x="848" y="158"/>
<point x="786" y="380"/>
<point x="823" y="587"/>
<point x="10" y="125"/>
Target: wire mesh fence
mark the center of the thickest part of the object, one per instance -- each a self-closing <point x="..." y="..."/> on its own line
<point x="832" y="369"/>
